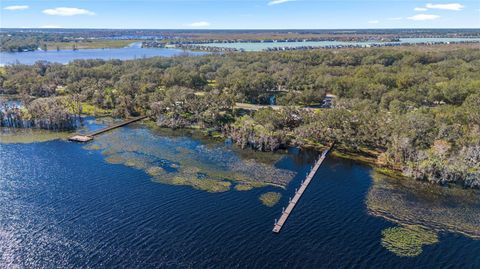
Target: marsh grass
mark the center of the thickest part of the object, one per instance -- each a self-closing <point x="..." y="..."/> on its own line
<point x="406" y="201"/>
<point x="91" y="110"/>
<point x="249" y="186"/>
<point x="270" y="198"/>
<point x="28" y="135"/>
<point x="187" y="160"/>
<point x="209" y="185"/>
<point x="407" y="241"/>
<point x="95" y="44"/>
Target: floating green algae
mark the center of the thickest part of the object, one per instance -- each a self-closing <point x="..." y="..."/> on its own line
<point x="407" y="241"/>
<point x="270" y="198"/>
<point x="181" y="159"/>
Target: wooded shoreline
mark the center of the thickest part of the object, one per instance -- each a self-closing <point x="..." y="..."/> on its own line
<point x="415" y="109"/>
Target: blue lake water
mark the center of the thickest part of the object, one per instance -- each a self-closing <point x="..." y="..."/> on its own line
<point x="65" y="56"/>
<point x="65" y="205"/>
<point x="263" y="46"/>
<point x="136" y="52"/>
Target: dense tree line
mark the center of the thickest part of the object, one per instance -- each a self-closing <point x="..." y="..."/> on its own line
<point x="24" y="41"/>
<point x="52" y="113"/>
<point x="414" y="110"/>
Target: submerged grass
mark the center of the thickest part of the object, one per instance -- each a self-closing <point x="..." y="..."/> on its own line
<point x="208" y="185"/>
<point x="27" y="135"/>
<point x="415" y="202"/>
<point x="270" y="198"/>
<point x="180" y="158"/>
<point x="407" y="241"/>
<point x="249" y="186"/>
<point x="94" y="44"/>
<point x="91" y="110"/>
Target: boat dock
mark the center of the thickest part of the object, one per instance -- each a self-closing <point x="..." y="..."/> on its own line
<point x="87" y="137"/>
<point x="299" y="192"/>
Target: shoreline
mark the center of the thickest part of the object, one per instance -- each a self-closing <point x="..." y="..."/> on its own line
<point x="336" y="152"/>
<point x="364" y="158"/>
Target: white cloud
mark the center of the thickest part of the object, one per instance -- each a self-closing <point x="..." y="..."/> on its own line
<point x="199" y="24"/>
<point x="67" y="11"/>
<point x="450" y="6"/>
<point x="395" y="19"/>
<point x="373" y="21"/>
<point x="420" y="9"/>
<point x="423" y="17"/>
<point x="21" y="7"/>
<point x="276" y="2"/>
<point x="50" y="26"/>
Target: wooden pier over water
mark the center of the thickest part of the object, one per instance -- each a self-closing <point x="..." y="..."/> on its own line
<point x="298" y="193"/>
<point x="89" y="136"/>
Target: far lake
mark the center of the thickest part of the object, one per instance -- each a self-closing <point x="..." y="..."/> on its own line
<point x="254" y="46"/>
<point x="135" y="51"/>
<point x="66" y="56"/>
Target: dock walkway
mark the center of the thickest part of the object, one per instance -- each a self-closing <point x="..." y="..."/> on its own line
<point x="298" y="193"/>
<point x="89" y="136"/>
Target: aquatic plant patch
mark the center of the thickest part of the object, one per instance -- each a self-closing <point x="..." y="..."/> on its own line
<point x="404" y="201"/>
<point x="25" y="135"/>
<point x="407" y="241"/>
<point x="181" y="160"/>
<point x="270" y="198"/>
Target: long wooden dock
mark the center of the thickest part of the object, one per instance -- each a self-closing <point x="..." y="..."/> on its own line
<point x="298" y="193"/>
<point x="89" y="136"/>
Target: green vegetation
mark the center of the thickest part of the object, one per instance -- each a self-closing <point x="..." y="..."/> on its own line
<point x="88" y="44"/>
<point x="173" y="160"/>
<point x="15" y="135"/>
<point x="270" y="198"/>
<point x="410" y="202"/>
<point x="203" y="184"/>
<point x="52" y="113"/>
<point x="407" y="241"/>
<point x="406" y="109"/>
<point x="249" y="185"/>
<point x="22" y="41"/>
<point x="243" y="187"/>
<point x="92" y="110"/>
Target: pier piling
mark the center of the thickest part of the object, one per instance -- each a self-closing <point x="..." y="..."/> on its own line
<point x="299" y="192"/>
<point x="89" y="136"/>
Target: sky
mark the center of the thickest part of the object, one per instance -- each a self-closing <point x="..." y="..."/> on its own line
<point x="236" y="14"/>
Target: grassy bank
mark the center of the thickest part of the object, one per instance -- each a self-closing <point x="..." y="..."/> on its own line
<point x="364" y="155"/>
<point x="95" y="44"/>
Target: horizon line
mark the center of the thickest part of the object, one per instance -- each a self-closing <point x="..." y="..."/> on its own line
<point x="242" y="29"/>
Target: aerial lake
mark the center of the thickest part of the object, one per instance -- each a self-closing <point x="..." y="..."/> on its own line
<point x="65" y="56"/>
<point x="135" y="51"/>
<point x="257" y="46"/>
<point x="146" y="197"/>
